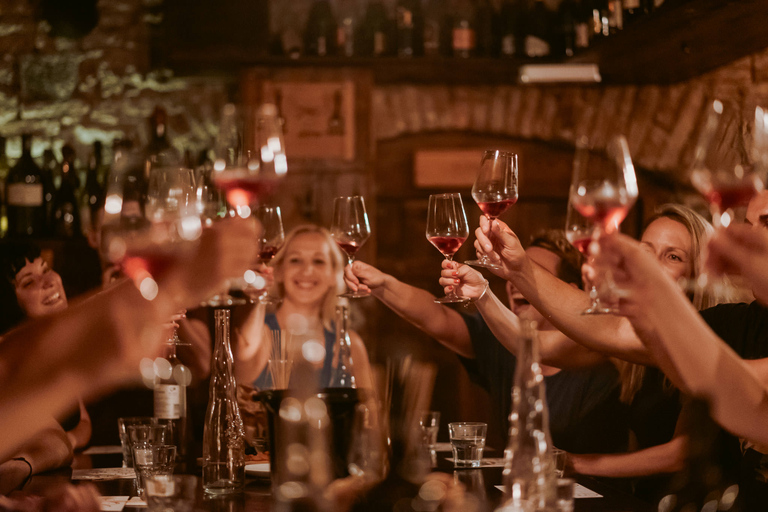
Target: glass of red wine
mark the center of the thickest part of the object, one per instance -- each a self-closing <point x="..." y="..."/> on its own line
<point x="350" y="230"/>
<point x="270" y="241"/>
<point x="495" y="190"/>
<point x="148" y="226"/>
<point x="603" y="189"/>
<point x="447" y="230"/>
<point x="727" y="172"/>
<point x="578" y="231"/>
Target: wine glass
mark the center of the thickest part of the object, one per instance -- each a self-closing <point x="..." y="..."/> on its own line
<point x="578" y="231"/>
<point x="148" y="226"/>
<point x="495" y="190"/>
<point x="350" y="230"/>
<point x="270" y="241"/>
<point x="603" y="189"/>
<point x="447" y="229"/>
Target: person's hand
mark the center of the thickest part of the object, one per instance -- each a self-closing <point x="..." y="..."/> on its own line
<point x="741" y="249"/>
<point x="362" y="277"/>
<point x="502" y="246"/>
<point x="225" y="251"/>
<point x="265" y="278"/>
<point x="466" y="281"/>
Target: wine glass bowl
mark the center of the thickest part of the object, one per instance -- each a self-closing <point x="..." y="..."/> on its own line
<point x="603" y="189"/>
<point x="271" y="240"/>
<point x="350" y="230"/>
<point x="495" y="190"/>
<point x="447" y="230"/>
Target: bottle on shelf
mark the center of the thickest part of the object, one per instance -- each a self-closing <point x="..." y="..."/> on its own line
<point x="91" y="194"/>
<point x="224" y="433"/>
<point x="598" y="20"/>
<point x="464" y="35"/>
<point x="51" y="170"/>
<point x="375" y="30"/>
<point x="65" y="210"/>
<point x="539" y="24"/>
<point x="170" y="395"/>
<point x="568" y="14"/>
<point x="511" y="26"/>
<point x="486" y="29"/>
<point x="4" y="169"/>
<point x="410" y="28"/>
<point x="320" y="33"/>
<point x="582" y="26"/>
<point x="434" y="20"/>
<point x="348" y="25"/>
<point x="615" y="17"/>
<point x="635" y="9"/>
<point x="529" y="470"/>
<point x="159" y="152"/>
<point x="24" y="196"/>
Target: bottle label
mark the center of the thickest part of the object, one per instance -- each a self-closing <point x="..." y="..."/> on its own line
<point x="23" y="194"/>
<point x="535" y="47"/>
<point x="463" y="39"/>
<point x="169" y="401"/>
<point x="631" y="4"/>
<point x="582" y="35"/>
<point x="508" y="45"/>
<point x="379" y="43"/>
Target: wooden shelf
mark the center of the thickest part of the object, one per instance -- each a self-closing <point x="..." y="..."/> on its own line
<point x="681" y="40"/>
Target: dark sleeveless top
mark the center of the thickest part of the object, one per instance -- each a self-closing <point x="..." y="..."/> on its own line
<point x="264" y="380"/>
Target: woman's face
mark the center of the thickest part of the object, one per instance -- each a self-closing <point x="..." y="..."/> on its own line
<point x="307" y="271"/>
<point x="671" y="242"/>
<point x="39" y="290"/>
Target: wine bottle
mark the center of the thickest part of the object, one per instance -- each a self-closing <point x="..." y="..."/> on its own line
<point x="434" y="19"/>
<point x="4" y="168"/>
<point x="91" y="195"/>
<point x="24" y="196"/>
<point x="348" y="16"/>
<point x="615" y="17"/>
<point x="464" y="40"/>
<point x="539" y="23"/>
<point x="582" y="26"/>
<point x="568" y="14"/>
<point x="410" y="28"/>
<point x="511" y="19"/>
<point x="342" y="375"/>
<point x="374" y="38"/>
<point x="170" y="395"/>
<point x="159" y="152"/>
<point x="51" y="170"/>
<point x="320" y="33"/>
<point x="65" y="211"/>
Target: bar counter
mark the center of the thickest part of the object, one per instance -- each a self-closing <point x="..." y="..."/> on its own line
<point x="257" y="496"/>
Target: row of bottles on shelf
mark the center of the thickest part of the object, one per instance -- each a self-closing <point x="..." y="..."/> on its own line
<point x="459" y="28"/>
<point x="54" y="199"/>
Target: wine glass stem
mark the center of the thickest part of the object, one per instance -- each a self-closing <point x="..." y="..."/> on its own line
<point x="452" y="293"/>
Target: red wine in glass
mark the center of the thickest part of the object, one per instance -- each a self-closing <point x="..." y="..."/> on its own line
<point x="266" y="254"/>
<point x="350" y="230"/>
<point x="448" y="245"/>
<point x="242" y="189"/>
<point x="495" y="190"/>
<point x="605" y="205"/>
<point x="350" y="247"/>
<point x="582" y="244"/>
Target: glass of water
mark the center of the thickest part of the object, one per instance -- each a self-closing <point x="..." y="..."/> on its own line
<point x="152" y="460"/>
<point x="171" y="492"/>
<point x="467" y="442"/>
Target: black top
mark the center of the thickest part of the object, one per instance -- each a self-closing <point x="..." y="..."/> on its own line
<point x="585" y="415"/>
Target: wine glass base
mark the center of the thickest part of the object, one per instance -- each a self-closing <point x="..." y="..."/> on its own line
<point x="483" y="264"/>
<point x="600" y="310"/>
<point x="224" y="300"/>
<point x="452" y="300"/>
<point x="354" y="295"/>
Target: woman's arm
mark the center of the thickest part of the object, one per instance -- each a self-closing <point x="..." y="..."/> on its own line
<point x="664" y="458"/>
<point x="414" y="305"/>
<point x="556" y="349"/>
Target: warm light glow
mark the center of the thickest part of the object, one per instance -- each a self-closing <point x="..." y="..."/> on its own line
<point x="249" y="276"/>
<point x="238" y="197"/>
<point x="244" y="211"/>
<point x="113" y="204"/>
<point x="163" y="368"/>
<point x="147" y="369"/>
<point x="290" y="409"/>
<point x="148" y="288"/>
<point x="281" y="164"/>
<point x="267" y="155"/>
<point x="274" y="144"/>
<point x="191" y="227"/>
<point x="182" y="375"/>
<point x="219" y="164"/>
<point x="313" y="351"/>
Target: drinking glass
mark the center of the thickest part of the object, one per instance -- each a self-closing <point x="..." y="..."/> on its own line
<point x="170" y="493"/>
<point x="367" y="455"/>
<point x="150" y="223"/>
<point x="447" y="230"/>
<point x="271" y="239"/>
<point x="727" y="171"/>
<point x="429" y="423"/>
<point x="467" y="442"/>
<point x="350" y="230"/>
<point x="603" y="189"/>
<point x="125" y="441"/>
<point x="150" y="460"/>
<point x="495" y="190"/>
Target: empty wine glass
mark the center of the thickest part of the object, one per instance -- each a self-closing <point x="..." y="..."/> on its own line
<point x="603" y="189"/>
<point x="495" y="190"/>
<point x="447" y="230"/>
<point x="350" y="230"/>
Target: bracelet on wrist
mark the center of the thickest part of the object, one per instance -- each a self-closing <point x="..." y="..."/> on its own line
<point x="485" y="289"/>
<point x="29" y="475"/>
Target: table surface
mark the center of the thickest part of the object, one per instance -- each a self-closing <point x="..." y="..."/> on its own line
<point x="257" y="495"/>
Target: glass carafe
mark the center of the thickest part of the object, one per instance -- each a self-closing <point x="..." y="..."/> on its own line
<point x="342" y="375"/>
<point x="224" y="435"/>
<point x="529" y="470"/>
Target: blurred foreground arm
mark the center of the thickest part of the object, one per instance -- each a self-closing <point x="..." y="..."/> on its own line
<point x="96" y="345"/>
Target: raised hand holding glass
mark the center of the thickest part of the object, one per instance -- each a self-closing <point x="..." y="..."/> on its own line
<point x="350" y="230"/>
<point x="447" y="230"/>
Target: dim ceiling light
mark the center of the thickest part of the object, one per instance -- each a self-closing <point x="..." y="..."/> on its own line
<point x="559" y="73"/>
